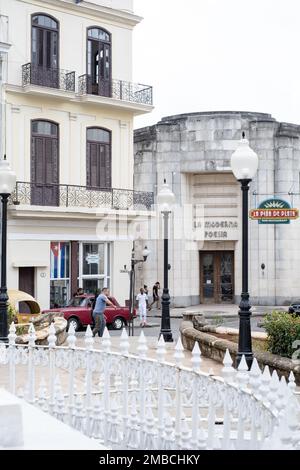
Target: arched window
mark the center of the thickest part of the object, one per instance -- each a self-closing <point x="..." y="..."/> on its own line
<point x="44" y="163"/>
<point x="99" y="61"/>
<point x="44" y="50"/>
<point x="98" y="161"/>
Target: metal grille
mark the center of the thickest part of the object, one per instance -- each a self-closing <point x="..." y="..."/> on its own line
<point x="120" y="90"/>
<point x="82" y="196"/>
<point x="48" y="77"/>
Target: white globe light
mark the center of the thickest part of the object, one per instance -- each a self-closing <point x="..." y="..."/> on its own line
<point x="145" y="252"/>
<point x="244" y="161"/>
<point x="165" y="198"/>
<point x="7" y="177"/>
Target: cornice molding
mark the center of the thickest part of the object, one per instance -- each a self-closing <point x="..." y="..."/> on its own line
<point x="87" y="8"/>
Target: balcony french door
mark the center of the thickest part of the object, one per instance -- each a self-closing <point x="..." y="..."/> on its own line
<point x="44" y="51"/>
<point x="44" y="164"/>
<point x="99" y="62"/>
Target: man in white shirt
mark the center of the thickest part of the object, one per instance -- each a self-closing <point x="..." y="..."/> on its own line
<point x="142" y="304"/>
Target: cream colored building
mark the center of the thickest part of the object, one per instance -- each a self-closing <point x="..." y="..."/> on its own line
<point x="69" y="109"/>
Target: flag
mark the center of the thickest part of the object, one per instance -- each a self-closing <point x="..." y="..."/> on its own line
<point x="58" y="260"/>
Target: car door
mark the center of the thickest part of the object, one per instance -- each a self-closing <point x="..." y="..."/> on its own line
<point x="86" y="316"/>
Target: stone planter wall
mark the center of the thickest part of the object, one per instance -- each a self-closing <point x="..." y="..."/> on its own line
<point x="215" y="348"/>
<point x="41" y="325"/>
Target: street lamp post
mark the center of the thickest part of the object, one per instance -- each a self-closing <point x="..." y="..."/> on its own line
<point x="145" y="254"/>
<point x="165" y="201"/>
<point x="244" y="164"/>
<point x="7" y="184"/>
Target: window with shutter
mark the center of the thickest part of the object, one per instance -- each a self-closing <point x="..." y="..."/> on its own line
<point x="98" y="162"/>
<point x="44" y="163"/>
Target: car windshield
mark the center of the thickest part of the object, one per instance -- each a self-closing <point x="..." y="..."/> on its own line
<point x="76" y="302"/>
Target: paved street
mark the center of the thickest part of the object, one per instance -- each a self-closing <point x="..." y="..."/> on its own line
<point x="225" y="315"/>
<point x="152" y="330"/>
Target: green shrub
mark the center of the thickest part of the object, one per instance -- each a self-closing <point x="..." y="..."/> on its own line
<point x="11" y="314"/>
<point x="282" y="329"/>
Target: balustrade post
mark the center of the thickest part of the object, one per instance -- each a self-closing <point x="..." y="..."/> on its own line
<point x="254" y="376"/>
<point x="31" y="366"/>
<point x="71" y="340"/>
<point x="124" y="347"/>
<point x="161" y="353"/>
<point x="106" y="343"/>
<point x="12" y="357"/>
<point x="196" y="361"/>
<point x="142" y="352"/>
<point x="178" y="356"/>
<point x="89" y="341"/>
<point x="52" y="346"/>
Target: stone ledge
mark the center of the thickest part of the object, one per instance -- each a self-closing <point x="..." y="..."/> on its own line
<point x="215" y="348"/>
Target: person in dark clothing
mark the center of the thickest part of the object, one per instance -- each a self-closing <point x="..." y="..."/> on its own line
<point x="147" y="294"/>
<point x="155" y="295"/>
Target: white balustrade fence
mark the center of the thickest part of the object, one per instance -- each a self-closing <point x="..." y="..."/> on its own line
<point x="135" y="402"/>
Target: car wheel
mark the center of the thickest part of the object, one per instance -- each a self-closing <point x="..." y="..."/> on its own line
<point x="75" y="322"/>
<point x="118" y="323"/>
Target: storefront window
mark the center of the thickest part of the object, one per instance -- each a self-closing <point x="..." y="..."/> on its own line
<point x="93" y="259"/>
<point x="95" y="266"/>
<point x="59" y="273"/>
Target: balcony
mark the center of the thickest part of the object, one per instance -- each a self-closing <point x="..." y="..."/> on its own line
<point x="117" y="89"/>
<point x="58" y="79"/>
<point x="71" y="196"/>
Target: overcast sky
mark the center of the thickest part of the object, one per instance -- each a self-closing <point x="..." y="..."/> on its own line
<point x="208" y="55"/>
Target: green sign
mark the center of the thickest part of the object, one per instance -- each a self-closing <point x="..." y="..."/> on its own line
<point x="274" y="211"/>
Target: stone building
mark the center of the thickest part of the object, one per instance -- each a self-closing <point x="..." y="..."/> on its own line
<point x="193" y="151"/>
<point x="68" y="131"/>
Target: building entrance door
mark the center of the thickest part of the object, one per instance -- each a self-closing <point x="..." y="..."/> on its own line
<point x="26" y="284"/>
<point x="217" y="276"/>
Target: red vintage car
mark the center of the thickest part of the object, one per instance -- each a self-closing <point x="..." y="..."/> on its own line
<point x="78" y="312"/>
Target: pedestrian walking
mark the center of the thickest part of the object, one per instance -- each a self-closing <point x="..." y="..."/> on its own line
<point x="147" y="294"/>
<point x="156" y="296"/>
<point x="98" y="313"/>
<point x="142" y="304"/>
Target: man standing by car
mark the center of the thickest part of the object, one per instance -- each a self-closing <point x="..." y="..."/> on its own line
<point x="98" y="313"/>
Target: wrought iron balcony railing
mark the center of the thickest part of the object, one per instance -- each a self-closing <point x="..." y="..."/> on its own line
<point x="64" y="195"/>
<point x="117" y="89"/>
<point x="48" y="77"/>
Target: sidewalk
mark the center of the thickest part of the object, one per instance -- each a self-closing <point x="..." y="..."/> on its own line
<point x="215" y="310"/>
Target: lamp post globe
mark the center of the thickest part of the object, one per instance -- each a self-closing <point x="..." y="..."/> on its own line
<point x="165" y="198"/>
<point x="244" y="165"/>
<point x="7" y="184"/>
<point x="244" y="161"/>
<point x="165" y="201"/>
<point x="7" y="177"/>
<point x="145" y="253"/>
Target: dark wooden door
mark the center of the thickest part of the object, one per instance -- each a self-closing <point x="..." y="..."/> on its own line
<point x="98" y="165"/>
<point x="99" y="63"/>
<point x="45" y="166"/>
<point x="26" y="284"/>
<point x="217" y="276"/>
<point x="45" y="70"/>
